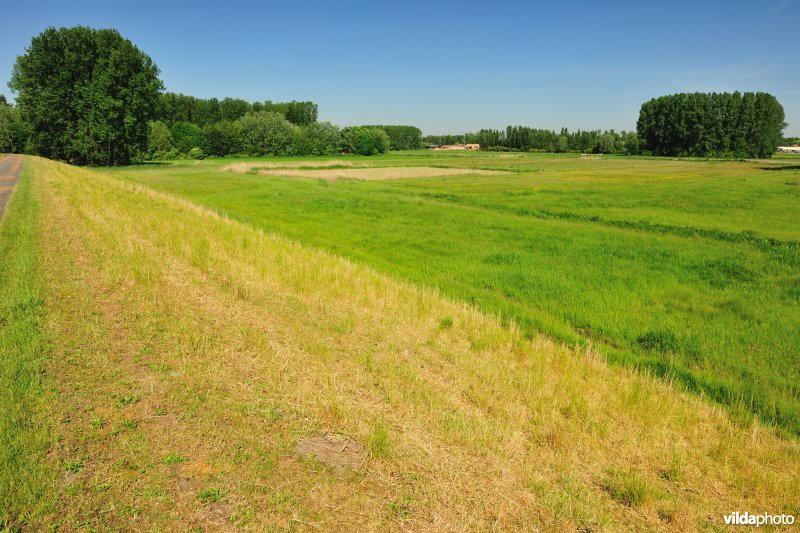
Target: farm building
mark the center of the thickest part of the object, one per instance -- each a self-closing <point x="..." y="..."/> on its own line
<point x="789" y="149"/>
<point x="458" y="147"/>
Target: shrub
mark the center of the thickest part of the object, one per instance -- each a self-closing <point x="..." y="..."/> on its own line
<point x="267" y="132"/>
<point x="364" y="141"/>
<point x="223" y="138"/>
<point x="196" y="153"/>
<point x="186" y="136"/>
<point x="159" y="138"/>
<point x="318" y="138"/>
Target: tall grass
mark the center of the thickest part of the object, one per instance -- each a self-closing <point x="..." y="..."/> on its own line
<point x="192" y="353"/>
<point x="683" y="269"/>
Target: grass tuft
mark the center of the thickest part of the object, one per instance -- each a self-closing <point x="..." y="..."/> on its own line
<point x="628" y="487"/>
<point x="378" y="441"/>
<point x="210" y="495"/>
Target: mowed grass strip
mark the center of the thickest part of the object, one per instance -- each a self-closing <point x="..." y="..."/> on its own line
<point x="192" y="354"/>
<point x="24" y="391"/>
<point x="685" y="269"/>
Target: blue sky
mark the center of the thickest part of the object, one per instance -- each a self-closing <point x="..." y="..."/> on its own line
<point x="449" y="66"/>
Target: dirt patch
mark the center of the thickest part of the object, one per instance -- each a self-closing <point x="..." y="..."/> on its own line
<point x="379" y="173"/>
<point x="334" y="450"/>
<point x="10" y="169"/>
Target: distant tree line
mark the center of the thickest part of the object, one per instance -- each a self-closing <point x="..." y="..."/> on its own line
<point x="258" y="134"/>
<point x="712" y="124"/>
<point x="13" y="130"/>
<point x="402" y="137"/>
<point x="90" y="96"/>
<point x="527" y="139"/>
<point x="172" y="108"/>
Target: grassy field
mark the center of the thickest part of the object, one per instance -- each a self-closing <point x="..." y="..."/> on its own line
<point x="174" y="363"/>
<point x="686" y="269"/>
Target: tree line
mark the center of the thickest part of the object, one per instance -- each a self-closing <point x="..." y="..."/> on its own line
<point x="90" y="96"/>
<point x="260" y="133"/>
<point x="172" y="108"/>
<point x="527" y="139"/>
<point x="712" y="125"/>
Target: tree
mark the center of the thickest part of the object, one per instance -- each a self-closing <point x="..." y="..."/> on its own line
<point x="301" y="113"/>
<point x="223" y="138"/>
<point x="380" y="140"/>
<point x="86" y="94"/>
<point x="364" y="141"/>
<point x="319" y="138"/>
<point x="268" y="132"/>
<point x="13" y="131"/>
<point x="186" y="136"/>
<point x="714" y="124"/>
<point x="159" y="139"/>
<point x="403" y="137"/>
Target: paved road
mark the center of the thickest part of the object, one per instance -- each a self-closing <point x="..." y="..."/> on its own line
<point x="10" y="169"/>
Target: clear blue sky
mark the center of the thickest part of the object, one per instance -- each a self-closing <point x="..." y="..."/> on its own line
<point x="448" y="66"/>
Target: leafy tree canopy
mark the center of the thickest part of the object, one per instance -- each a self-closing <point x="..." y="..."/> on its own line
<point x="86" y="95"/>
<point x="712" y="124"/>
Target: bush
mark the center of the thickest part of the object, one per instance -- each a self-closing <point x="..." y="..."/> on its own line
<point x="223" y="138"/>
<point x="364" y="141"/>
<point x="159" y="139"/>
<point x="403" y="137"/>
<point x="318" y="138"/>
<point x="267" y="132"/>
<point x="196" y="153"/>
<point x="186" y="136"/>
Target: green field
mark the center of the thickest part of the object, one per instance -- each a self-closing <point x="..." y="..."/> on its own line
<point x="171" y="369"/>
<point x="686" y="269"/>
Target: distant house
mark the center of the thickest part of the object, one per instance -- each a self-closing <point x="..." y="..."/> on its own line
<point x="458" y="147"/>
<point x="789" y="149"/>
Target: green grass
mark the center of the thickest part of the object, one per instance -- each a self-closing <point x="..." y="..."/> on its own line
<point x="688" y="269"/>
<point x="237" y="344"/>
<point x="24" y="473"/>
<point x="628" y="487"/>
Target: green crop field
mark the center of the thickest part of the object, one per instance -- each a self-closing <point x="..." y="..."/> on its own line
<point x="688" y="269"/>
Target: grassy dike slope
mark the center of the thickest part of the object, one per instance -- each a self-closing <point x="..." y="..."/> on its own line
<point x="189" y="354"/>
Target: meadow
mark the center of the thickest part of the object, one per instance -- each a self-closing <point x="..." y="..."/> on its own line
<point x="170" y="369"/>
<point x="686" y="269"/>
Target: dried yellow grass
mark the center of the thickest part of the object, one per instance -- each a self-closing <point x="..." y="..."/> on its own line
<point x="239" y="344"/>
<point x="380" y="173"/>
<point x="243" y="168"/>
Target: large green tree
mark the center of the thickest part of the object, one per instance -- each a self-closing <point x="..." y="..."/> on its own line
<point x="86" y="94"/>
<point x="712" y="124"/>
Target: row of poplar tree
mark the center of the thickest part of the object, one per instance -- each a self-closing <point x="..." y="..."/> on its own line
<point x="687" y="124"/>
<point x="712" y="124"/>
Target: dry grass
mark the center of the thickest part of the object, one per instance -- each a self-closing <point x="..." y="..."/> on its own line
<point x="181" y="334"/>
<point x="243" y="168"/>
<point x="380" y="173"/>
